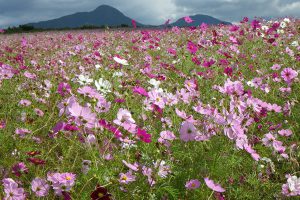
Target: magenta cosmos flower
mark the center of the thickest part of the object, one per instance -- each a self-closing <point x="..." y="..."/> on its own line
<point x="192" y="184"/>
<point x="212" y="185"/>
<point x="288" y="75"/>
<point x="187" y="131"/>
<point x="188" y="19"/>
<point x="143" y="135"/>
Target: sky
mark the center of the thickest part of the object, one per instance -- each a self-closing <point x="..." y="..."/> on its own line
<point x="154" y="12"/>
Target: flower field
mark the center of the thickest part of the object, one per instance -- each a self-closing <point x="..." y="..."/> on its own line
<point x="208" y="112"/>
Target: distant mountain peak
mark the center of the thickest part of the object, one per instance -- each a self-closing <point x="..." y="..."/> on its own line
<point x="105" y="7"/>
<point x="105" y="15"/>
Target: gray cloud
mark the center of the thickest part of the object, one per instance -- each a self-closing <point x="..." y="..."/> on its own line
<point x="15" y="12"/>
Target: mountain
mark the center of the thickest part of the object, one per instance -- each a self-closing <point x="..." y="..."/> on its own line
<point x="107" y="15"/>
<point x="198" y="20"/>
<point x="101" y="16"/>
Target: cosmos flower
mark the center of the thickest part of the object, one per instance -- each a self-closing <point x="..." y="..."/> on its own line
<point x="212" y="185"/>
<point x="123" y="117"/>
<point x="100" y="193"/>
<point x="134" y="167"/>
<point x="188" y="19"/>
<point x="143" y="135"/>
<point x="285" y="132"/>
<point x="12" y="191"/>
<point x="192" y="184"/>
<point x="127" y="177"/>
<point x="191" y="47"/>
<point x="292" y="187"/>
<point x="84" y="80"/>
<point x="133" y="22"/>
<point x="104" y="86"/>
<point x="187" y="131"/>
<point x="19" y="168"/>
<point x="40" y="187"/>
<point x="63" y="89"/>
<point x="288" y="75"/>
<point x="121" y="61"/>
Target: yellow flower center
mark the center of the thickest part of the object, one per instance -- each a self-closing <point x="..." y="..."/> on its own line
<point x="100" y="194"/>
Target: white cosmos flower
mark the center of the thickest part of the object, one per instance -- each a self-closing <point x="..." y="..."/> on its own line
<point x="264" y="28"/>
<point x="121" y="61"/>
<point x="84" y="80"/>
<point x="103" y="86"/>
<point x="97" y="66"/>
<point x="154" y="82"/>
<point x="287" y="20"/>
<point x="117" y="74"/>
<point x="282" y="24"/>
<point x="295" y="44"/>
<point x="250" y="83"/>
<point x="280" y="31"/>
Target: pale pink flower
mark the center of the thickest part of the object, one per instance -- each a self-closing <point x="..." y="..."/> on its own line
<point x="187" y="131"/>
<point x="212" y="185"/>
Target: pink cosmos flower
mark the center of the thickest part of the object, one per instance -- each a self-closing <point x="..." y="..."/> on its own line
<point x="276" y="67"/>
<point x="148" y="172"/>
<point x="188" y="19"/>
<point x="127" y="178"/>
<point x="134" y="167"/>
<point x="22" y="132"/>
<point x="163" y="168"/>
<point x="29" y="75"/>
<point x="156" y="98"/>
<point x="39" y="112"/>
<point x="167" y="135"/>
<point x="252" y="152"/>
<point x="288" y="75"/>
<point x="212" y="185"/>
<point x="286" y="132"/>
<point x="2" y="124"/>
<point x="187" y="131"/>
<point x="63" y="89"/>
<point x="192" y="184"/>
<point x="124" y="117"/>
<point x="25" y="102"/>
<point x="12" y="191"/>
<point x="82" y="114"/>
<point x="61" y="182"/>
<point x="40" y="187"/>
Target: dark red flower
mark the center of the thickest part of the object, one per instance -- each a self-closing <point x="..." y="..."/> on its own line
<point x="66" y="195"/>
<point x="36" y="161"/>
<point x="33" y="153"/>
<point x="100" y="193"/>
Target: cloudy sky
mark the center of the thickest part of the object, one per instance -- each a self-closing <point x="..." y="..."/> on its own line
<point x="15" y="12"/>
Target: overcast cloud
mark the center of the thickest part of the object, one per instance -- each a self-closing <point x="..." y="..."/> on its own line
<point x="15" y="12"/>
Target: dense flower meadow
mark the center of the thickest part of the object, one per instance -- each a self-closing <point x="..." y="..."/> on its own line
<point x="208" y="112"/>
